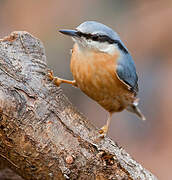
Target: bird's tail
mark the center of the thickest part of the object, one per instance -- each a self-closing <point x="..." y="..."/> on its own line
<point x="134" y="109"/>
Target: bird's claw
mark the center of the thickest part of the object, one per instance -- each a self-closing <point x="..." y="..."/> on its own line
<point x="103" y="131"/>
<point x="50" y="75"/>
<point x="55" y="80"/>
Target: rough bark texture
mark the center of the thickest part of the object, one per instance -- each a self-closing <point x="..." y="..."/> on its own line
<point x="42" y="136"/>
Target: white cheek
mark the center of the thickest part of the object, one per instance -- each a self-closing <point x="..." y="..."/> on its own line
<point x="100" y="46"/>
<point x="104" y="47"/>
<point x="109" y="48"/>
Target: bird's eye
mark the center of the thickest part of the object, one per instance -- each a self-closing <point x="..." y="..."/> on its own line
<point x="100" y="38"/>
<point x="95" y="38"/>
<point x="103" y="38"/>
<point x="87" y="36"/>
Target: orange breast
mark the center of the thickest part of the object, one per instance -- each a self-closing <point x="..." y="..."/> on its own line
<point x="95" y="75"/>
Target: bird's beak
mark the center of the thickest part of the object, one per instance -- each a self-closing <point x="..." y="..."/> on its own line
<point x="69" y="32"/>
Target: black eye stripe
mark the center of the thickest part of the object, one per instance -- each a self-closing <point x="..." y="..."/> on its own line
<point x="87" y="36"/>
<point x="96" y="37"/>
<point x="103" y="38"/>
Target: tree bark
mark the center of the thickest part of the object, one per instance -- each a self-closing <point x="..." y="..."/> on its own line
<point x="42" y="136"/>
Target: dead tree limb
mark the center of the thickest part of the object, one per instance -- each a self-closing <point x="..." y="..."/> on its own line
<point x="42" y="136"/>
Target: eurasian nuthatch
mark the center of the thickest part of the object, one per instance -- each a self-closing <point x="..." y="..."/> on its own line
<point x="103" y="69"/>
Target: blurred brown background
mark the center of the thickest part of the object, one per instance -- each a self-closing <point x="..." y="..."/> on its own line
<point x="145" y="27"/>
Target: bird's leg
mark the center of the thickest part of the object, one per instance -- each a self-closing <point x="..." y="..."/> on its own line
<point x="103" y="131"/>
<point x="57" y="81"/>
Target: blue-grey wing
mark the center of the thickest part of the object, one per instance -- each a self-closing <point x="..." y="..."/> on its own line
<point x="126" y="72"/>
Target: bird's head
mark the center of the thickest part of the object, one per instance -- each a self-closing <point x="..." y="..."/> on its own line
<point x="92" y="35"/>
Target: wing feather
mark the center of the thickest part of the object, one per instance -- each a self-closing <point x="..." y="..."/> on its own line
<point x="126" y="72"/>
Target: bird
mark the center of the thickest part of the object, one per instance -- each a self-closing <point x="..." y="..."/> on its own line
<point x="103" y="69"/>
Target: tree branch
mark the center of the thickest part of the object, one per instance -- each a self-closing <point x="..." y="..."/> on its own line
<point x="42" y="135"/>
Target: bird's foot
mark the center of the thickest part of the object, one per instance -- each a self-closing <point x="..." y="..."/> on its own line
<point x="57" y="81"/>
<point x="50" y="75"/>
<point x="103" y="131"/>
